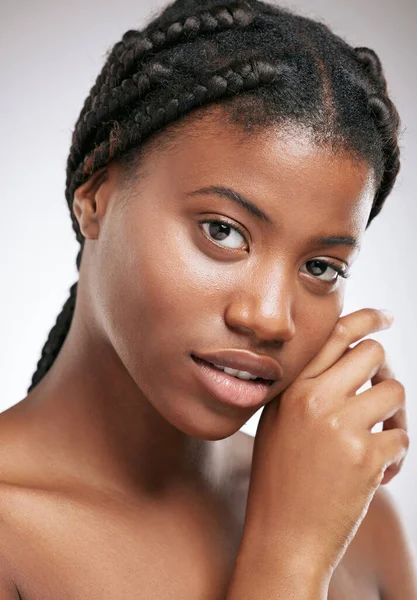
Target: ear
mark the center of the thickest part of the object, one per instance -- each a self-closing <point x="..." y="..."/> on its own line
<point x="89" y="205"/>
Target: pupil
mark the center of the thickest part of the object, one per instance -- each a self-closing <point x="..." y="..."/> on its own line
<point x="217" y="227"/>
<point x="318" y="267"/>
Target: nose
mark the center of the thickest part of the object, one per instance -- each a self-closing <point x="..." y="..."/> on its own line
<point x="266" y="312"/>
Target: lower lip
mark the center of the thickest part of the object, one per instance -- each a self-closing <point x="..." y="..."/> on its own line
<point x="229" y="389"/>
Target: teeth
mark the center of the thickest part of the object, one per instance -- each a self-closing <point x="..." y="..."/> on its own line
<point x="236" y="373"/>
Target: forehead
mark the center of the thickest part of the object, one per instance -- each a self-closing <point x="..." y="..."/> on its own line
<point x="282" y="170"/>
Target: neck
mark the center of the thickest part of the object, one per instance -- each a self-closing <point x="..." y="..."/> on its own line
<point x="101" y="427"/>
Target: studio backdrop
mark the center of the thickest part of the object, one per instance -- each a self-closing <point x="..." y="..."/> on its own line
<point x="50" y="54"/>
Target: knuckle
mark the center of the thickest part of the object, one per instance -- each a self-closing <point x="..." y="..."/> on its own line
<point x="360" y="454"/>
<point x="297" y="397"/>
<point x="336" y="422"/>
<point x="375" y="348"/>
<point x="310" y="402"/>
<point x="400" y="388"/>
<point x="309" y="406"/>
<point x="372" y="465"/>
<point x="377" y="475"/>
<point x="404" y="438"/>
<point x="395" y="387"/>
<point x="341" y="332"/>
<point x="295" y="393"/>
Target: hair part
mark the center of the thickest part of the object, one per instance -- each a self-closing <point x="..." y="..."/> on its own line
<point x="262" y="64"/>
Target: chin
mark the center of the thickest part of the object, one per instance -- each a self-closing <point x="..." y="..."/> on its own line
<point x="203" y="420"/>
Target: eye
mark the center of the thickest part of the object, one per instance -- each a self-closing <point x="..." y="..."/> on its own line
<point x="220" y="231"/>
<point x="325" y="270"/>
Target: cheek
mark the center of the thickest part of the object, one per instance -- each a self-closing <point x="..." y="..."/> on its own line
<point x="314" y="326"/>
<point x="156" y="287"/>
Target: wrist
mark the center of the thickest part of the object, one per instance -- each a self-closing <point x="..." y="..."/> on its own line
<point x="275" y="565"/>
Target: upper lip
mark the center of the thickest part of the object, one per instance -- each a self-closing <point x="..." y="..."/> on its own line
<point x="244" y="360"/>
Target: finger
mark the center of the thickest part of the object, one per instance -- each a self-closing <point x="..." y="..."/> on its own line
<point x="393" y="447"/>
<point x="377" y="404"/>
<point x="365" y="361"/>
<point x="349" y="329"/>
<point x="397" y="421"/>
<point x="393" y="469"/>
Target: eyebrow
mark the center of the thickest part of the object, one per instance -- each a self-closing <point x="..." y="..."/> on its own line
<point x="252" y="209"/>
<point x="231" y="194"/>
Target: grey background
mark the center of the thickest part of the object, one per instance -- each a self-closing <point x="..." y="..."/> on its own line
<point x="50" y="54"/>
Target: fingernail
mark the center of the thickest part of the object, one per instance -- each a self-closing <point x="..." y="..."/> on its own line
<point x="388" y="314"/>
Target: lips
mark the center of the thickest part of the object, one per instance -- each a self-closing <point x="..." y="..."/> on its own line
<point x="243" y="360"/>
<point x="229" y="390"/>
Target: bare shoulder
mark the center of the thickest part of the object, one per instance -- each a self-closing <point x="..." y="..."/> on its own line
<point x="395" y="555"/>
<point x="23" y="455"/>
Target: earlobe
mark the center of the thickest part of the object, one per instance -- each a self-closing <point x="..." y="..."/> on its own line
<point x="85" y="205"/>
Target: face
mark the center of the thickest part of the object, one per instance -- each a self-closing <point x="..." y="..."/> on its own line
<point x="174" y="272"/>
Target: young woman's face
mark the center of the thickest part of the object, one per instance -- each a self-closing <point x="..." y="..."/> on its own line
<point x="168" y="282"/>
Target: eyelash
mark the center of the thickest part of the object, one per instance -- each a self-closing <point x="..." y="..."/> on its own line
<point x="341" y="271"/>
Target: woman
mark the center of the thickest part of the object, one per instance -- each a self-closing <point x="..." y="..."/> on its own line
<point x="223" y="171"/>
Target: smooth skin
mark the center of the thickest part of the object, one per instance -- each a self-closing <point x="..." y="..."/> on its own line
<point x="337" y="459"/>
<point x="119" y="470"/>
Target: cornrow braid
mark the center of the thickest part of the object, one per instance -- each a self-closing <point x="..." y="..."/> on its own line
<point x="372" y="66"/>
<point x="387" y="122"/>
<point x="263" y="64"/>
<point x="113" y="87"/>
<point x="56" y="338"/>
<point x="136" y="45"/>
<point x="229" y="81"/>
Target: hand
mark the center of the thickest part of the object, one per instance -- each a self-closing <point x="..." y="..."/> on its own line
<point x="316" y="464"/>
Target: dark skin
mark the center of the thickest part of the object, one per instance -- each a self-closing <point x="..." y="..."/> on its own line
<point x="119" y="444"/>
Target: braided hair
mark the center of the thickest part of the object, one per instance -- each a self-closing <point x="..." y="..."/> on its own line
<point x="262" y="64"/>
